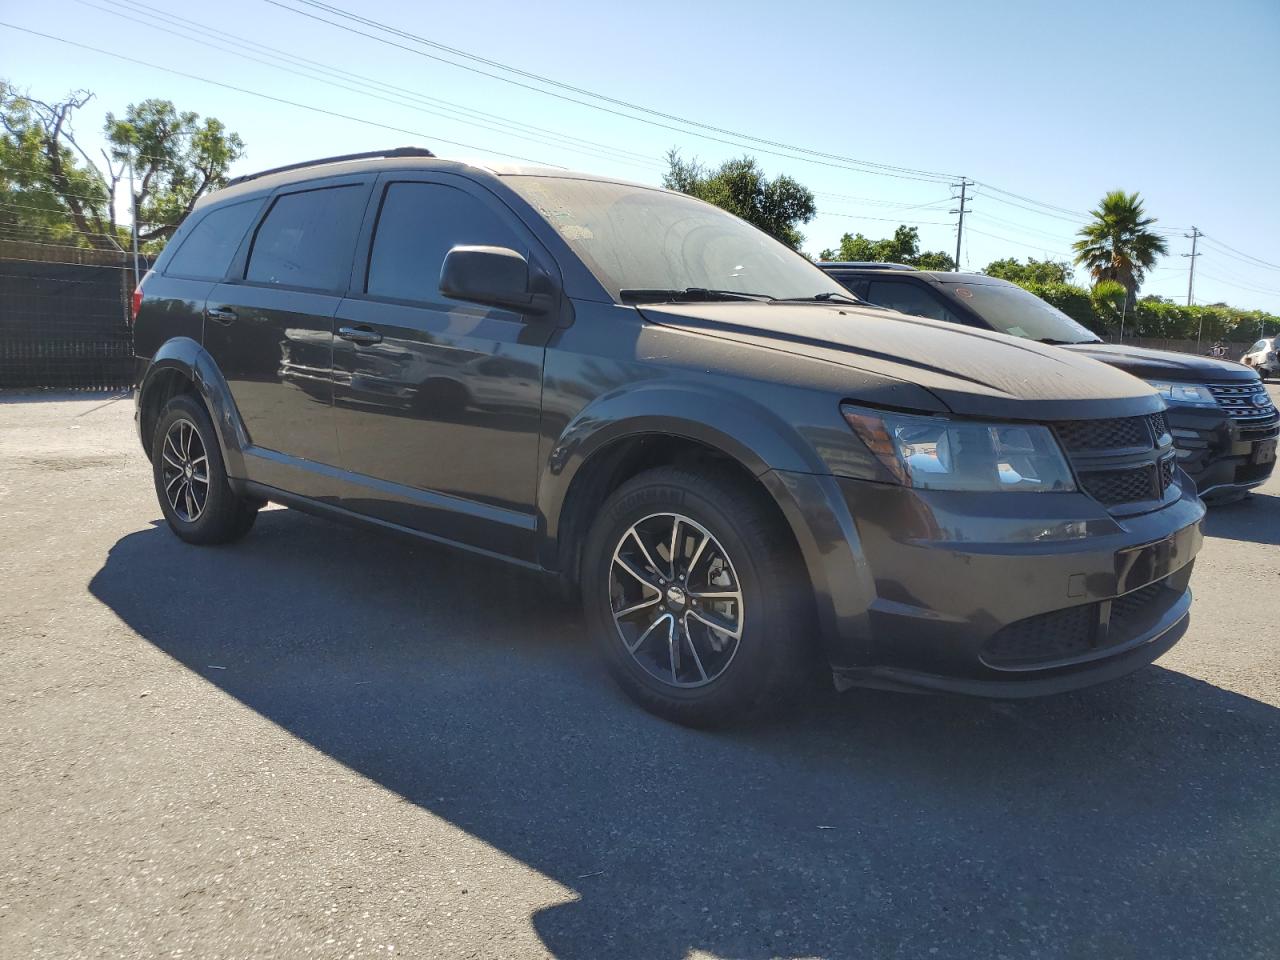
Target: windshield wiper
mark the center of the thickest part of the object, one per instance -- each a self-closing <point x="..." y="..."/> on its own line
<point x="824" y="297"/>
<point x="1064" y="343"/>
<point x="658" y="295"/>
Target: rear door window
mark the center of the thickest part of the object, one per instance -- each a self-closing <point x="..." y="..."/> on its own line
<point x="421" y="222"/>
<point x="909" y="298"/>
<point x="207" y="251"/>
<point x="307" y="239"/>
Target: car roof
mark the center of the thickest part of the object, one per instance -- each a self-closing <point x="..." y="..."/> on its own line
<point x="937" y="276"/>
<point x="403" y="158"/>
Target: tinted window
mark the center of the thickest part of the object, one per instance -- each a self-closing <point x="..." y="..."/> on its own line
<point x="909" y="298"/>
<point x="307" y="239"/>
<point x="420" y="223"/>
<point x="1260" y="345"/>
<point x="207" y="251"/>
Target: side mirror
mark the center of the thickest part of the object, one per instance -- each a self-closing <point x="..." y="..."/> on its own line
<point x="493" y="276"/>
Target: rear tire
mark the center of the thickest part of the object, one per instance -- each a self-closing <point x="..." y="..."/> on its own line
<point x="191" y="479"/>
<point x="667" y="629"/>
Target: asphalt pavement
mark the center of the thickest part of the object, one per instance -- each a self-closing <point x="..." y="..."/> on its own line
<point x="325" y="742"/>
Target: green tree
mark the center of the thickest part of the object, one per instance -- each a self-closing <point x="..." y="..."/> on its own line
<point x="1033" y="271"/>
<point x="50" y="177"/>
<point x="902" y="247"/>
<point x="1119" y="243"/>
<point x="1110" y="303"/>
<point x="48" y="190"/>
<point x="776" y="206"/>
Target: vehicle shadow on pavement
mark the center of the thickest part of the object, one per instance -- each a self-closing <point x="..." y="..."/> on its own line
<point x="1134" y="819"/>
<point x="1255" y="519"/>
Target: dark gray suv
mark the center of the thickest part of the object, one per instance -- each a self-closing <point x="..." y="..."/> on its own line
<point x="647" y="399"/>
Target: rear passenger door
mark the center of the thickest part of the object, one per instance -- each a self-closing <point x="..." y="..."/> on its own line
<point x="437" y="401"/>
<point x="270" y="328"/>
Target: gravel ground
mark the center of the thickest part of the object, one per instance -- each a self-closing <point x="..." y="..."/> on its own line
<point x="325" y="742"/>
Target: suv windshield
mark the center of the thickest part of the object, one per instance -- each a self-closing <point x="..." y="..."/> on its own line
<point x="1010" y="309"/>
<point x="656" y="243"/>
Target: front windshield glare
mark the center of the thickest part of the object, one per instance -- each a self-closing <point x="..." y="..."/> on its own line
<point x="637" y="238"/>
<point x="1010" y="309"/>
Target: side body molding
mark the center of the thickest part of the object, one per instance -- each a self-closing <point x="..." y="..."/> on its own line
<point x="185" y="356"/>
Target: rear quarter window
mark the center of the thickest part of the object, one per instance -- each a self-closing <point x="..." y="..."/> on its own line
<point x="208" y="249"/>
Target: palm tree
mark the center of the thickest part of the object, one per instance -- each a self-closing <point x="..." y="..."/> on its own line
<point x="1118" y="244"/>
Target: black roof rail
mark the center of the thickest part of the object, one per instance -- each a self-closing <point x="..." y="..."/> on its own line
<point x="368" y="155"/>
<point x="865" y="265"/>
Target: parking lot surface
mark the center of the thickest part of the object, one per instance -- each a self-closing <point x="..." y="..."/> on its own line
<point x="326" y="742"/>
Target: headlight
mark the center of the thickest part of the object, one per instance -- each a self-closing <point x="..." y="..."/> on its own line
<point x="1192" y="393"/>
<point x="935" y="453"/>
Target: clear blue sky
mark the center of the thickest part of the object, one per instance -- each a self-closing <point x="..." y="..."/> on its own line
<point x="1057" y="102"/>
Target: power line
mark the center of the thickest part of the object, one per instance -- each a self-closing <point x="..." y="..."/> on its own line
<point x="274" y="99"/>
<point x="807" y="155"/>
<point x="508" y="68"/>
<point x="392" y="94"/>
<point x="1247" y="257"/>
<point x="858" y="216"/>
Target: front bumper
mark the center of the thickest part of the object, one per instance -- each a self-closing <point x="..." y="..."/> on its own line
<point x="1219" y="452"/>
<point x="991" y="594"/>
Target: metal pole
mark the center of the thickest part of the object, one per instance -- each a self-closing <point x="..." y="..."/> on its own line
<point x="133" y="224"/>
<point x="964" y="183"/>
<point x="1191" y="277"/>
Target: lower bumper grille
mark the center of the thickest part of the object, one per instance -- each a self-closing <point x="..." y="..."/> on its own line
<point x="1075" y="632"/>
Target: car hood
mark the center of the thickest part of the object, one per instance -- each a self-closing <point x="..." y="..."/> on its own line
<point x="973" y="372"/>
<point x="1164" y="364"/>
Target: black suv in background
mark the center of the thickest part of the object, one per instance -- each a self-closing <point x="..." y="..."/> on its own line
<point x="740" y="469"/>
<point x="1223" y="422"/>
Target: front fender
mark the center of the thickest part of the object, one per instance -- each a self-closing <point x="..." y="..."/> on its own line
<point x="749" y="432"/>
<point x="186" y="357"/>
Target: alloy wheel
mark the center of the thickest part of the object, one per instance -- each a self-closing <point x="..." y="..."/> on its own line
<point x="185" y="471"/>
<point x="676" y="600"/>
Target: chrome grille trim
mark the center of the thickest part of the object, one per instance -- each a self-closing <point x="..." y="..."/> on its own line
<point x="1244" y="401"/>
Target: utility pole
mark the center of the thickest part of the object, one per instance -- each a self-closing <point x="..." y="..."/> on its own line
<point x="133" y="224"/>
<point x="1191" y="280"/>
<point x="1194" y="235"/>
<point x="964" y="184"/>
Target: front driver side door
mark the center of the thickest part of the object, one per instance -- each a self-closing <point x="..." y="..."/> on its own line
<point x="437" y="402"/>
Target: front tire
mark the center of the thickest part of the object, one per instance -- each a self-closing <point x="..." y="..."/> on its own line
<point x="694" y="591"/>
<point x="191" y="479"/>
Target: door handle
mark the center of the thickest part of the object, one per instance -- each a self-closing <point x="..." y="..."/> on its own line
<point x="220" y="314"/>
<point x="361" y="335"/>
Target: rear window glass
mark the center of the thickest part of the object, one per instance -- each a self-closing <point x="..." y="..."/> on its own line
<point x="207" y="251"/>
<point x="307" y="239"/>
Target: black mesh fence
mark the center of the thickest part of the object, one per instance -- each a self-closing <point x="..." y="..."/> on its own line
<point x="65" y="325"/>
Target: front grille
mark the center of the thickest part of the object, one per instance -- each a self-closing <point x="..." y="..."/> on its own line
<point x="1244" y="401"/>
<point x="1147" y="482"/>
<point x="1117" y="433"/>
<point x="1094" y="446"/>
<point x="1077" y="631"/>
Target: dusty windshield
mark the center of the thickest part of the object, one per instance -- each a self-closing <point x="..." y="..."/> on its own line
<point x="1010" y="309"/>
<point x="637" y="238"/>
